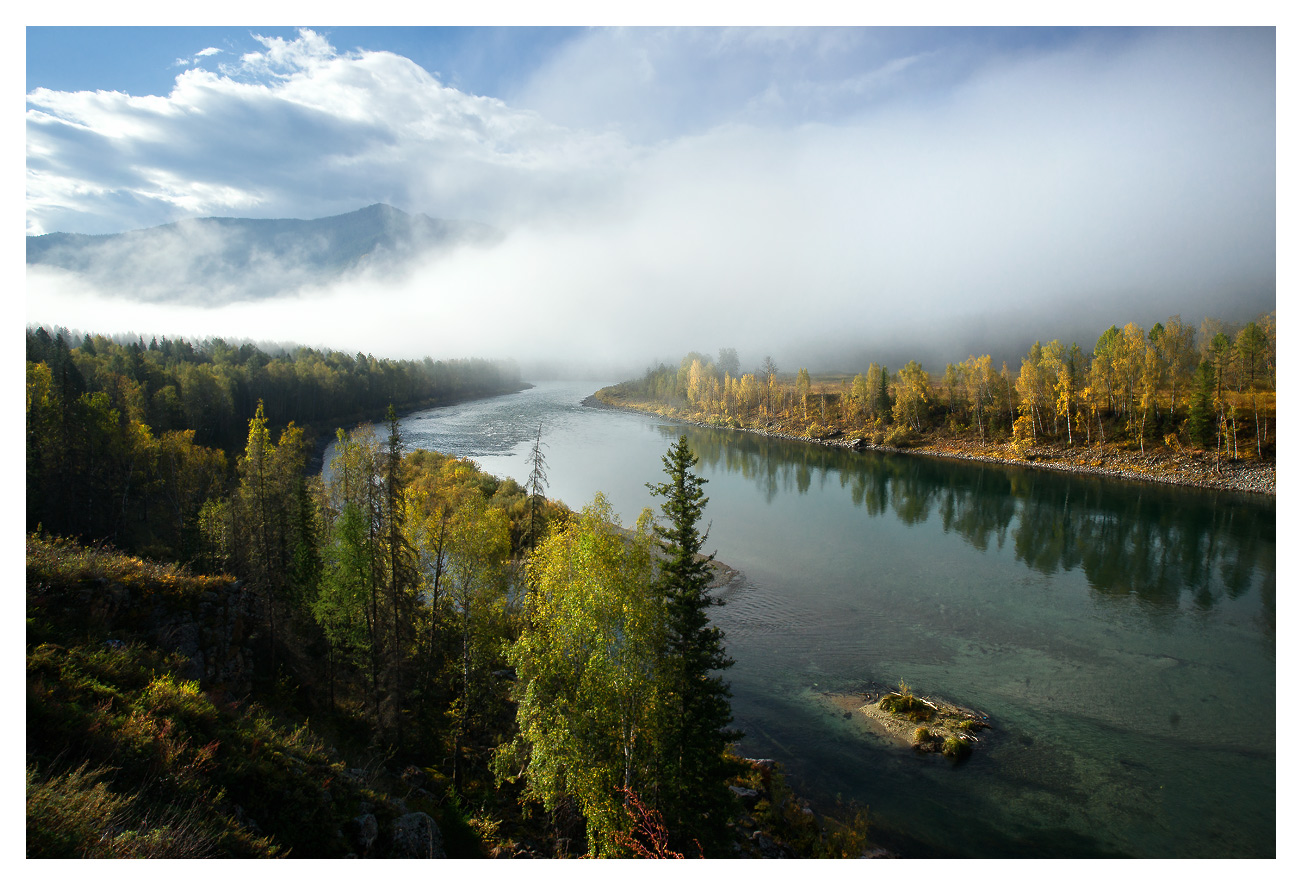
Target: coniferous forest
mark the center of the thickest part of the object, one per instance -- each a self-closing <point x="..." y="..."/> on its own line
<point x="231" y="655"/>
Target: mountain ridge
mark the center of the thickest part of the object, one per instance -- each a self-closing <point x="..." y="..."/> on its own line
<point x="229" y="258"/>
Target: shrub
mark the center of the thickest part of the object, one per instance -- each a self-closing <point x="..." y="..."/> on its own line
<point x="1023" y="433"/>
<point x="901" y="436"/>
<point x="922" y="735"/>
<point x="76" y="814"/>
<point x="905" y="704"/>
<point x="956" y="748"/>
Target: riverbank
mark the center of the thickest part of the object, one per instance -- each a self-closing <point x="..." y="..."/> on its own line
<point x="1157" y="464"/>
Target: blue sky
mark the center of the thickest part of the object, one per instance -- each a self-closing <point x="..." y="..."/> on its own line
<point x="895" y="178"/>
<point x="145" y="61"/>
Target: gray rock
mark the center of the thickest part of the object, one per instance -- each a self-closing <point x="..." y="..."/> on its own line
<point x="413" y="777"/>
<point x="417" y="836"/>
<point x="746" y="795"/>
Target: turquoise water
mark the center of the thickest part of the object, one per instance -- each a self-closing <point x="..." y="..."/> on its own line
<point x="1120" y="636"/>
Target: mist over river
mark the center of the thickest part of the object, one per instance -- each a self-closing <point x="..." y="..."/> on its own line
<point x="1120" y="636"/>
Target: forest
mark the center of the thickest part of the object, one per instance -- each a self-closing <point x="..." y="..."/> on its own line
<point x="1210" y="388"/>
<point x="231" y="654"/>
<point x="126" y="441"/>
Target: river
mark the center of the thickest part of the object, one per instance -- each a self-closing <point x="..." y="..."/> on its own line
<point x="1120" y="636"/>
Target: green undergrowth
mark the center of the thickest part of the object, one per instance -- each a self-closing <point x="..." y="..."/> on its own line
<point x="127" y="759"/>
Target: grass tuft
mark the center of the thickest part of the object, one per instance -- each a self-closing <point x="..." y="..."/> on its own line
<point x="956" y="748"/>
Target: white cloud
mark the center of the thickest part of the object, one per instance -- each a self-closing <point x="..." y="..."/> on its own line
<point x="296" y="131"/>
<point x="198" y="57"/>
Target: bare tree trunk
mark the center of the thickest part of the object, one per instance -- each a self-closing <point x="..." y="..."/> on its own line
<point x="1257" y="420"/>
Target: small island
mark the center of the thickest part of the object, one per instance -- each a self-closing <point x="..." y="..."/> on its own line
<point x="926" y="724"/>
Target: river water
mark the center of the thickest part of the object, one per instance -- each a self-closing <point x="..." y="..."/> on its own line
<point x="1120" y="636"/>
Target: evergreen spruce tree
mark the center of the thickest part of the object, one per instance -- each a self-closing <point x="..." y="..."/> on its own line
<point x="535" y="487"/>
<point x="401" y="575"/>
<point x="1202" y="428"/>
<point x="693" y="794"/>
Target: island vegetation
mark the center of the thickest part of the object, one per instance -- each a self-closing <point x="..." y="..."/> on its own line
<point x="231" y="655"/>
<point x="1173" y="403"/>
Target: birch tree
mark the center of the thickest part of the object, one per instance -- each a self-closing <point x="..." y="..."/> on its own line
<point x="588" y="691"/>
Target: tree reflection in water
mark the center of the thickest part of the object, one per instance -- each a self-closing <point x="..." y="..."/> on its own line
<point x="1132" y="541"/>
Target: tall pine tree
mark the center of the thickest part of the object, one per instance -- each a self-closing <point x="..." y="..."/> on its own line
<point x="694" y="797"/>
<point x="535" y="487"/>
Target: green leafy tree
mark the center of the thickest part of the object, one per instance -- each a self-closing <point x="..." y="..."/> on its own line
<point x="355" y="484"/>
<point x="912" y="393"/>
<point x="981" y="380"/>
<point x="478" y="545"/>
<point x="588" y="689"/>
<point x="1033" y="390"/>
<point x="859" y="396"/>
<point x="954" y="384"/>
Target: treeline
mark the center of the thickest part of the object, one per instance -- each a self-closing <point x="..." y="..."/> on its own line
<point x="1211" y="388"/>
<point x="126" y="440"/>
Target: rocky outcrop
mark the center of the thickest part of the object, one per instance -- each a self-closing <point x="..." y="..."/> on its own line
<point x="409" y="835"/>
<point x="417" y="837"/>
<point x="213" y="627"/>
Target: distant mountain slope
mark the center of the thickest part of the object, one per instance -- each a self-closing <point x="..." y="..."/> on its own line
<point x="226" y="259"/>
